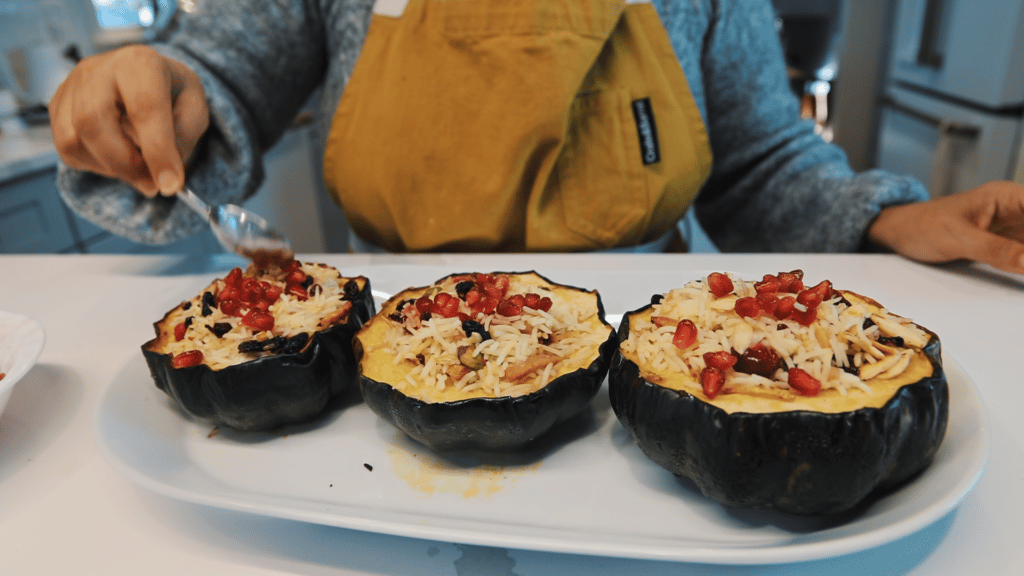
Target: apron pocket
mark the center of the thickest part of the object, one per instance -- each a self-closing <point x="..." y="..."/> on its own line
<point x="599" y="173"/>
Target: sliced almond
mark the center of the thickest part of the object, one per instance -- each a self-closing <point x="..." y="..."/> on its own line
<point x="741" y="336"/>
<point x="724" y="303"/>
<point x="890" y="327"/>
<point x="869" y="371"/>
<point x="899" y="367"/>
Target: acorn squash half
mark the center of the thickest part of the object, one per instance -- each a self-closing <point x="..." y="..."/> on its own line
<point x="502" y="369"/>
<point x="804" y="451"/>
<point x="247" y="378"/>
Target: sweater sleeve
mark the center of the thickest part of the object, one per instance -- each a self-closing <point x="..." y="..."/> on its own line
<point x="258" y="63"/>
<point x="775" y="186"/>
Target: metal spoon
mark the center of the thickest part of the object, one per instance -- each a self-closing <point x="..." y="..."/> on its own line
<point x="242" y="232"/>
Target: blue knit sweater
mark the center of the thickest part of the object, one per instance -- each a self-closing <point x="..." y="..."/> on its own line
<point x="775" y="185"/>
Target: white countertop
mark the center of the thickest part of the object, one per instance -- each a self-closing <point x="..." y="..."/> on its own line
<point x="65" y="510"/>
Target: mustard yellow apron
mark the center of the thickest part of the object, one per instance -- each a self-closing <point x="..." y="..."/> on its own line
<point x="515" y="125"/>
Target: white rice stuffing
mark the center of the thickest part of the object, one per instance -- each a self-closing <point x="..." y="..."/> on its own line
<point x="541" y="341"/>
<point x="841" y="325"/>
<point x="292" y="317"/>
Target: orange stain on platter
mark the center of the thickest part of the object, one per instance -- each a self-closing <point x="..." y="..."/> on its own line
<point x="428" y="474"/>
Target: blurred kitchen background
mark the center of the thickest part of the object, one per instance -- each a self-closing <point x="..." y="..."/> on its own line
<point x="930" y="88"/>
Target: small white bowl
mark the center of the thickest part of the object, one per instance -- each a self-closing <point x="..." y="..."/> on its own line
<point x="21" y="342"/>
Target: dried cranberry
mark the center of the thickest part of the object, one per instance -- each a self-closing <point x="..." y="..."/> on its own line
<point x="462" y="288"/>
<point x="350" y="291"/>
<point x="758" y="359"/>
<point x="471" y="327"/>
<point x="219" y="329"/>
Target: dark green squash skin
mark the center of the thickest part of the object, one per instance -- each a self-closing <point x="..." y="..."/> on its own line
<point x="503" y="424"/>
<point x="800" y="462"/>
<point x="271" y="391"/>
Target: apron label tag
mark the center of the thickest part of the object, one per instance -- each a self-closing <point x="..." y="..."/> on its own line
<point x="646" y="131"/>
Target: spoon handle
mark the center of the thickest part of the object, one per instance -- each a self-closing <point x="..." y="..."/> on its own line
<point x="194" y="202"/>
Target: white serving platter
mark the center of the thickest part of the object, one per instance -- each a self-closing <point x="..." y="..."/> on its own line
<point x="587" y="489"/>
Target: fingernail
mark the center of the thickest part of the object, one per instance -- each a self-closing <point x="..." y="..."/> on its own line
<point x="167" y="182"/>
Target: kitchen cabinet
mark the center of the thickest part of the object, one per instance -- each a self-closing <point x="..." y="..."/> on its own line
<point x="35" y="220"/>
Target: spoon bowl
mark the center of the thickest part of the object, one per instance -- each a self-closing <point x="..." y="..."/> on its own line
<point x="241" y="231"/>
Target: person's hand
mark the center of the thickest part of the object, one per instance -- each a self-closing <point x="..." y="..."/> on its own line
<point x="985" y="224"/>
<point x="130" y="114"/>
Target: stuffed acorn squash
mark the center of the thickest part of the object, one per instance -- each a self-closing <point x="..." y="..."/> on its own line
<point x="773" y="395"/>
<point x="484" y="361"/>
<point x="263" y="348"/>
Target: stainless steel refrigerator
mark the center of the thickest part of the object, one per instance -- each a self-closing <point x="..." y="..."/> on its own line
<point x="953" y="103"/>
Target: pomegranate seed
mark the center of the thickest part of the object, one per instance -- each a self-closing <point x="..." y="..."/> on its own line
<point x="423" y="304"/>
<point x="473" y="296"/>
<point x="767" y="301"/>
<point x="450" y="308"/>
<point x="230" y="307"/>
<point x="297" y="291"/>
<point x="492" y="291"/>
<point x="784" y="308"/>
<point x="791" y="281"/>
<point x="823" y="289"/>
<point x="758" y="359"/>
<point x="292" y="266"/>
<point x="721" y="360"/>
<point x="767" y="284"/>
<point x="686" y="334"/>
<point x="179" y="331"/>
<point x="545" y="304"/>
<point x="803" y="383"/>
<point x="272" y="293"/>
<point x="501" y="281"/>
<point x="719" y="284"/>
<point x="712" y="380"/>
<point x="809" y="298"/>
<point x="258" y="320"/>
<point x="234" y="278"/>
<point x="263" y="305"/>
<point x="805" y="317"/>
<point x="531" y="300"/>
<point x="230" y="293"/>
<point x="296" y="277"/>
<point x="747" y="306"/>
<point x="187" y="359"/>
<point x="488" y="305"/>
<point x="508" y="307"/>
<point x="485" y="279"/>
